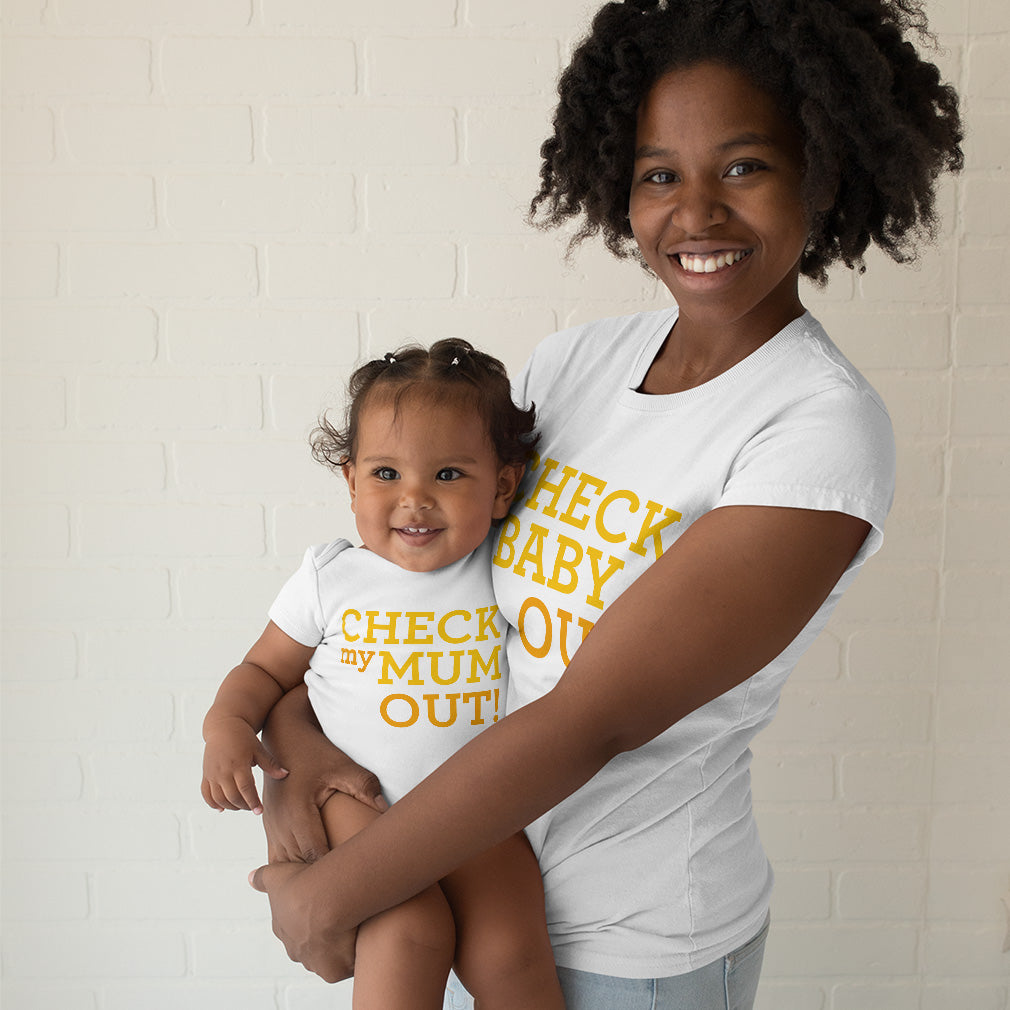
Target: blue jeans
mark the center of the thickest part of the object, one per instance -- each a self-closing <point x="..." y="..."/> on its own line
<point x="729" y="983"/>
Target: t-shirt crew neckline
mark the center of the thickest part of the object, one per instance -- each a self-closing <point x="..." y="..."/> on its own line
<point x="790" y="335"/>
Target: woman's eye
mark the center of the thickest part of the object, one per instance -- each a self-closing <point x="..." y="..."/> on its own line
<point x="660" y="176"/>
<point x="448" y="473"/>
<point x="386" y="473"/>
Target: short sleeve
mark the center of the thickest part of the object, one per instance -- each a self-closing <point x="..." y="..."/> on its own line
<point x="298" y="610"/>
<point x="832" y="451"/>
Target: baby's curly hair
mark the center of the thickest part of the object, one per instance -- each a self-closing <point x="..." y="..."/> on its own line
<point x="878" y="124"/>
<point x="451" y="372"/>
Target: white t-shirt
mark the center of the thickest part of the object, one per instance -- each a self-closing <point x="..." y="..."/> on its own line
<point x="408" y="666"/>
<point x="654" y="867"/>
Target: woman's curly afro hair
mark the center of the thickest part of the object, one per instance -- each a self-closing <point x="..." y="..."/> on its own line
<point x="878" y="124"/>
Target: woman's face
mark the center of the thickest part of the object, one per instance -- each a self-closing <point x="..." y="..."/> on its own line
<point x="715" y="202"/>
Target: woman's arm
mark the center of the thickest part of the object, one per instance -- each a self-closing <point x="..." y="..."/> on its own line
<point x="291" y="817"/>
<point x="721" y="603"/>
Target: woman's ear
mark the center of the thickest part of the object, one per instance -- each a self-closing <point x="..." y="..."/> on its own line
<point x="509" y="477"/>
<point x="348" y="471"/>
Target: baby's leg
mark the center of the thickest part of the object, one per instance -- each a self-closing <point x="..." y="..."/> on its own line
<point x="402" y="956"/>
<point x="503" y="953"/>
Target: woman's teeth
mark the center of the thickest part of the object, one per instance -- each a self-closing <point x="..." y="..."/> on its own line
<point x="709" y="264"/>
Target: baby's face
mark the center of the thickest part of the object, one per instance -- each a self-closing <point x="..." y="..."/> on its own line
<point x="425" y="483"/>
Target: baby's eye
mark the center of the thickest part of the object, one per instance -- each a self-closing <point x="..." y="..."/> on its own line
<point x="385" y="473"/>
<point x="448" y="473"/>
<point x="743" y="168"/>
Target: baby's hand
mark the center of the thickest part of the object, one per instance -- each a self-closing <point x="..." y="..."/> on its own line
<point x="232" y="749"/>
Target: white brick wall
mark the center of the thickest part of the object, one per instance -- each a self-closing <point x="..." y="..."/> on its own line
<point x="210" y="211"/>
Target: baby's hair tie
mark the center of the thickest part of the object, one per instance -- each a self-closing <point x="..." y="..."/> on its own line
<point x="455" y="361"/>
<point x="389" y="359"/>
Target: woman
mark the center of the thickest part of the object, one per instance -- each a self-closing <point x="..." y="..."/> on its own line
<point x="711" y="478"/>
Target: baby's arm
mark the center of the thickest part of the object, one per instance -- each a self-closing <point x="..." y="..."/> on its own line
<point x="273" y="666"/>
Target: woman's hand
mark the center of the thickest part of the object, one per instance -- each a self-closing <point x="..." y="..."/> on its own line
<point x="291" y="815"/>
<point x="289" y="887"/>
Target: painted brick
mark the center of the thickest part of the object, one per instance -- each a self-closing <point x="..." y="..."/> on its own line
<point x="228" y="995"/>
<point x="809" y="951"/>
<point x="981" y="340"/>
<point x="775" y="995"/>
<point x="28" y="136"/>
<point x="965" y="893"/>
<point x="213" y="892"/>
<point x="30" y="776"/>
<point x="178" y="403"/>
<point x="974" y="655"/>
<point x="298" y="526"/>
<point x="156" y="531"/>
<point x="43" y="995"/>
<point x="311" y="270"/>
<point x="986" y="210"/>
<point x="99" y="834"/>
<point x="250" y="204"/>
<point x="800" y="893"/>
<point x="91" y="951"/>
<point x="475" y="67"/>
<point x="167" y="655"/>
<point x="988" y="72"/>
<point x="987" y="147"/>
<point x="156" y="135"/>
<point x="949" y="994"/>
<point x="85" y="594"/>
<point x="511" y="330"/>
<point x="21" y="650"/>
<point x="980" y="470"/>
<point x="246" y="951"/>
<point x="568" y="15"/>
<point x="22" y="12"/>
<point x="885" y="339"/>
<point x="30" y="269"/>
<point x="978" y="532"/>
<point x="507" y="136"/>
<point x="342" y="14"/>
<point x="822" y="661"/>
<point x="178" y="269"/>
<point x="438" y="202"/>
<point x="921" y="468"/>
<point x="982" y="403"/>
<point x="887" y="776"/>
<point x="81" y="67"/>
<point x="815" y="833"/>
<point x="311" y="996"/>
<point x="327" y="341"/>
<point x="818" y="714"/>
<point x="929" y="281"/>
<point x="785" y="776"/>
<point x="85" y="468"/>
<point x="34" y="402"/>
<point x="192" y="14"/>
<point x="967" y="951"/>
<point x="916" y="401"/>
<point x="230" y="838"/>
<point x="310" y="67"/>
<point x="41" y="892"/>
<point x="870" y="996"/>
<point x="224" y="594"/>
<point x="539" y="269"/>
<point x="882" y="894"/>
<point x="914" y="532"/>
<point x="282" y="468"/>
<point x="133" y="778"/>
<point x="36" y="532"/>
<point x="79" y="712"/>
<point x="969" y="714"/>
<point x="901" y="591"/>
<point x="968" y="774"/>
<point x="976" y="594"/>
<point x="92" y="203"/>
<point x="47" y="333"/>
<point x="989" y="837"/>
<point x="980" y="273"/>
<point x="326" y="135"/>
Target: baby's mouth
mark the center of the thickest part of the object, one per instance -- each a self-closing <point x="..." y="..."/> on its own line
<point x="695" y="264"/>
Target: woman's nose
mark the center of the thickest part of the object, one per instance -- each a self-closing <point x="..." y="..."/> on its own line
<point x="697" y="207"/>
